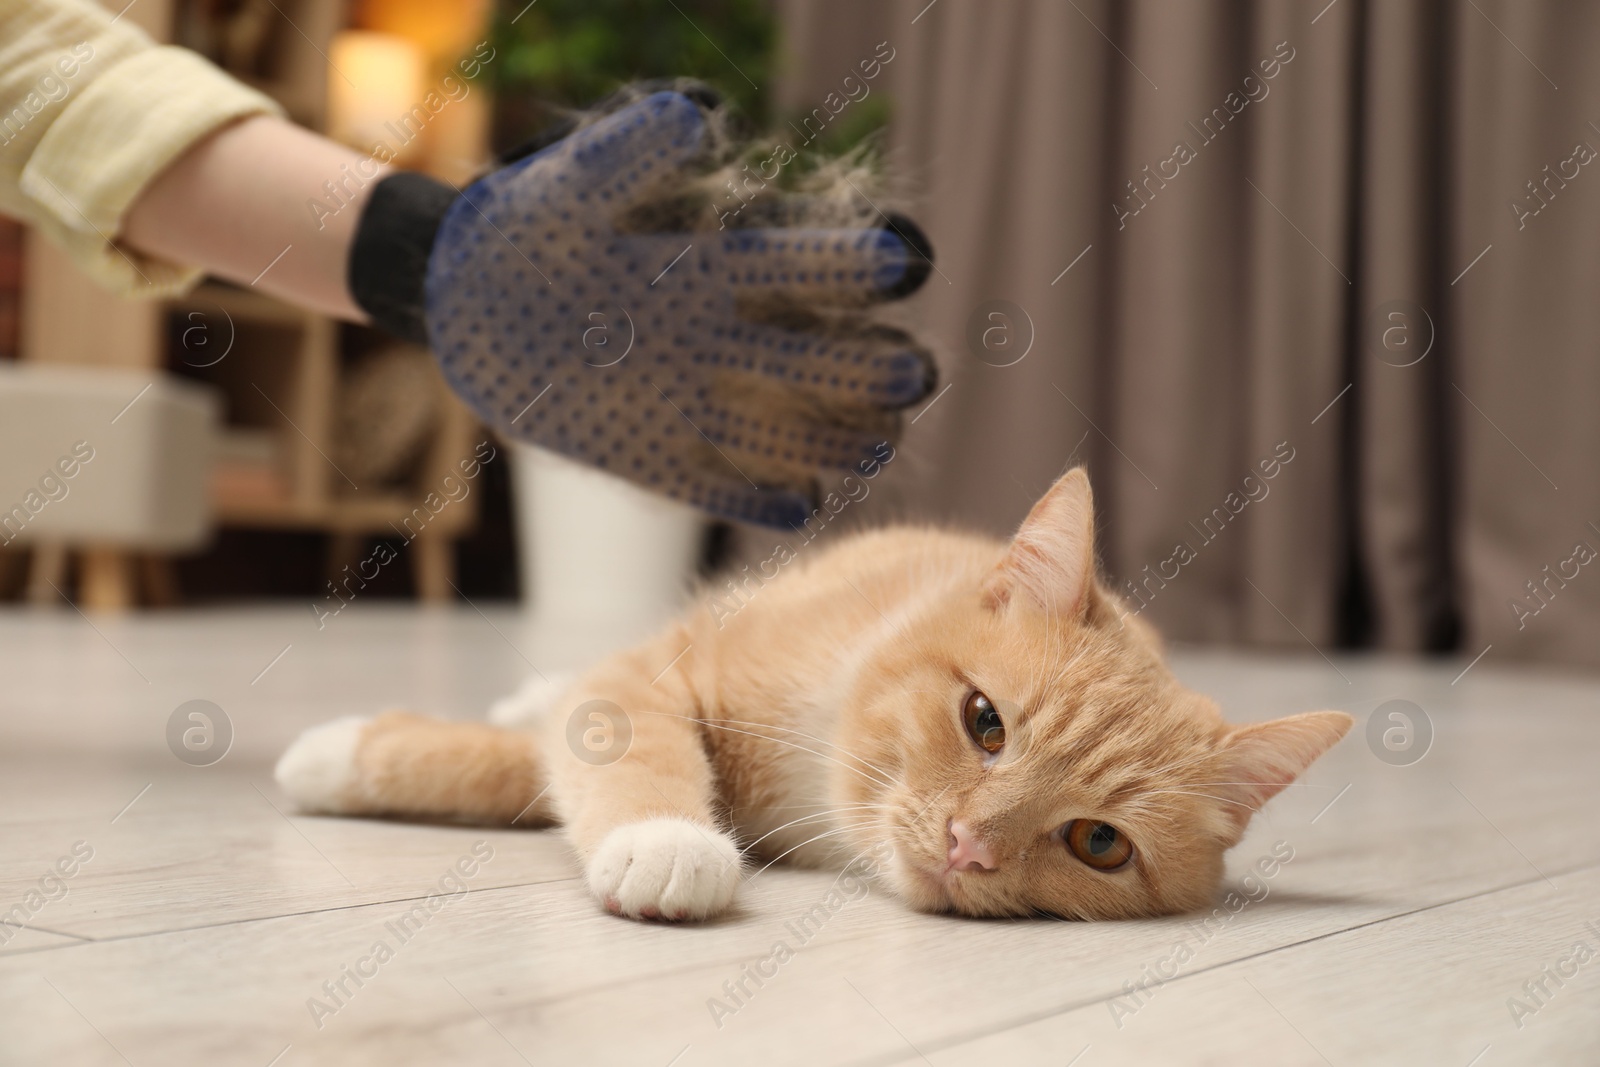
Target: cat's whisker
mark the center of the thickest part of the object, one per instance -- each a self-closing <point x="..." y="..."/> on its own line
<point x="1073" y="661"/>
<point x="1209" y="796"/>
<point x="1191" y="760"/>
<point x="844" y="868"/>
<point x="812" y="737"/>
<point x="720" y="724"/>
<point x="874" y="875"/>
<point x="792" y="807"/>
<point x="862" y="817"/>
<point x="778" y="740"/>
<point x="1280" y="785"/>
<point x="1057" y="647"/>
<point x="803" y="844"/>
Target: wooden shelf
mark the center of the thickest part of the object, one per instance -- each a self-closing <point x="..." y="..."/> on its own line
<point x="370" y="513"/>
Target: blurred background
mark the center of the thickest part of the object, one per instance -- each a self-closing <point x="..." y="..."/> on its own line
<point x="1309" y="286"/>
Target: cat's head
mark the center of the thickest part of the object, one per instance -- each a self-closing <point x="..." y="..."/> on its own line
<point x="1031" y="752"/>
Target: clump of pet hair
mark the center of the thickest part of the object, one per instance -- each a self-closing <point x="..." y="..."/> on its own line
<point x="728" y="188"/>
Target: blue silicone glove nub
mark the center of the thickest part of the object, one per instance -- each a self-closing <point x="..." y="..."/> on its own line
<point x="713" y="366"/>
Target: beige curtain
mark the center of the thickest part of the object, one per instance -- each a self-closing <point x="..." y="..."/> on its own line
<point x="1318" y="271"/>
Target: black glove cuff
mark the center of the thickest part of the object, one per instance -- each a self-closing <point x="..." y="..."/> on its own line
<point x="389" y="256"/>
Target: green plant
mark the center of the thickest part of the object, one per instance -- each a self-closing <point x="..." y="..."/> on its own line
<point x="571" y="52"/>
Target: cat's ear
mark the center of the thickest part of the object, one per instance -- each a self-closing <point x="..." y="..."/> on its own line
<point x="1051" y="559"/>
<point x="1259" y="760"/>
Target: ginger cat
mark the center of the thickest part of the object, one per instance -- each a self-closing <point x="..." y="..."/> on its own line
<point x="981" y="714"/>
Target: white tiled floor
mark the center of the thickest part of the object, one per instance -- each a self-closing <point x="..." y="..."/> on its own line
<point x="1415" y="907"/>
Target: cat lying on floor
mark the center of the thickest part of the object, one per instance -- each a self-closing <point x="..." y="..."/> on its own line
<point x="982" y="714"/>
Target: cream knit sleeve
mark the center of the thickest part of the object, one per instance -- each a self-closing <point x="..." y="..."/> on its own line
<point x="90" y="111"/>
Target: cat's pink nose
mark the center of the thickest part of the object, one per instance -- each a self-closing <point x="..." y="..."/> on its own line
<point x="967" y="850"/>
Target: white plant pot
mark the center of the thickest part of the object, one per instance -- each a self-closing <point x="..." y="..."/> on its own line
<point x="604" y="562"/>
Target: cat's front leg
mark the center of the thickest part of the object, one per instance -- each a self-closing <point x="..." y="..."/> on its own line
<point x="636" y="790"/>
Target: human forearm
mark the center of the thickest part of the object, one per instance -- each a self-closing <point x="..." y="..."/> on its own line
<point x="237" y="202"/>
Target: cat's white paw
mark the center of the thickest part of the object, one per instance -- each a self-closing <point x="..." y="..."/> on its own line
<point x="318" y="770"/>
<point x="531" y="701"/>
<point x="665" y="869"/>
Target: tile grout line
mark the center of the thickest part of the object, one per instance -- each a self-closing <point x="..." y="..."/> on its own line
<point x="89" y="939"/>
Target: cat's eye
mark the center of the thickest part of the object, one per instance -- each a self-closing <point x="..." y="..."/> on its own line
<point x="1097" y="844"/>
<point x="983" y="723"/>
